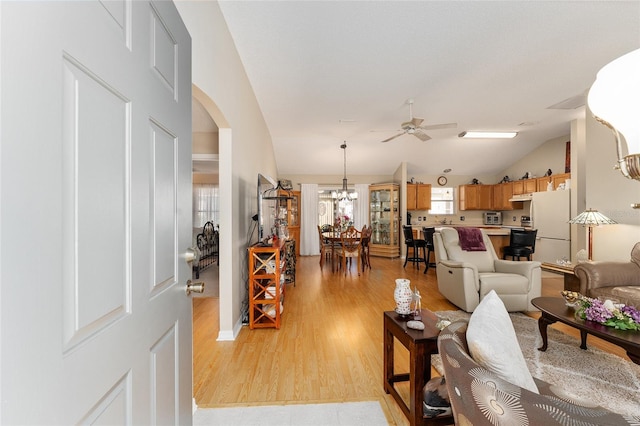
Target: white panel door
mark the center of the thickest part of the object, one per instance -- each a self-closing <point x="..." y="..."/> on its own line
<point x="95" y="213"/>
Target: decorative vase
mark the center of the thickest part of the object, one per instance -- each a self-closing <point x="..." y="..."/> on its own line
<point x="403" y="296"/>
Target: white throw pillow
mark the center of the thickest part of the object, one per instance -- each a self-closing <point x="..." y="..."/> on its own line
<point x="493" y="344"/>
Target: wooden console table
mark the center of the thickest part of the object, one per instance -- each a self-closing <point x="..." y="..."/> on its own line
<point x="421" y="344"/>
<point x="571" y="282"/>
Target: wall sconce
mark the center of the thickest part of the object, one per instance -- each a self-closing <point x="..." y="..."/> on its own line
<point x="614" y="100"/>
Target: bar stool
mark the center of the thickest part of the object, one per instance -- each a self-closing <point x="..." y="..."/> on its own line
<point x="416" y="245"/>
<point x="428" y="237"/>
<point x="522" y="243"/>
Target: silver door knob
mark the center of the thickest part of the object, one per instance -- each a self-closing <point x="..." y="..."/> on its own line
<point x="190" y="255"/>
<point x="194" y="287"/>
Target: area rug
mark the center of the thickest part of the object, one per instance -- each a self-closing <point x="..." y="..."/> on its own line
<point x="345" y="413"/>
<point x="606" y="379"/>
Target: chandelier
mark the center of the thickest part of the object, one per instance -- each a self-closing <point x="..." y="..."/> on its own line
<point x="344" y="194"/>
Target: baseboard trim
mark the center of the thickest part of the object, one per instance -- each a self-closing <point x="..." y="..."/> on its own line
<point x="230" y="335"/>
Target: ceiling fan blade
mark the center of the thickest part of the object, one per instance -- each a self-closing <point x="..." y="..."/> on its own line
<point x="416" y="121"/>
<point x="393" y="137"/>
<point x="421" y="135"/>
<point x="386" y="131"/>
<point x="440" y="126"/>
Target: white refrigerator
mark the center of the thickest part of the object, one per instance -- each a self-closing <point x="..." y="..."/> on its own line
<point x="550" y="215"/>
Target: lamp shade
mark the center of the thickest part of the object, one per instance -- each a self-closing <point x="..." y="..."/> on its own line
<point x="592" y="217"/>
<point x="615" y="97"/>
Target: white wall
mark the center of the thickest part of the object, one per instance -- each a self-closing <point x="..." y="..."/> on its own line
<point x="608" y="191"/>
<point x="549" y="155"/>
<point x="245" y="147"/>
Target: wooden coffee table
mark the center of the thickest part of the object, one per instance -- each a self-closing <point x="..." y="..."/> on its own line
<point x="554" y="309"/>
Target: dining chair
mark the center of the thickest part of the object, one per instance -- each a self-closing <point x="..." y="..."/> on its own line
<point x="350" y="247"/>
<point x="366" y="239"/>
<point x="326" y="247"/>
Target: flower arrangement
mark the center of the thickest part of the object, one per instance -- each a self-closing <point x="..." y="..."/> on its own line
<point x="617" y="315"/>
<point x="342" y="222"/>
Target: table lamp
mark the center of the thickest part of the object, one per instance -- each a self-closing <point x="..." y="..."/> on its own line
<point x="592" y="218"/>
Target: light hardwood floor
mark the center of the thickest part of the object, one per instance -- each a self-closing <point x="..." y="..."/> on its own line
<point x="329" y="347"/>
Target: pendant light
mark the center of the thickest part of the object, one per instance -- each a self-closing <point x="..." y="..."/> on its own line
<point x="344" y="194"/>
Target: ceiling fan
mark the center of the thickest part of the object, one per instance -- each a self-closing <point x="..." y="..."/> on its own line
<point x="413" y="127"/>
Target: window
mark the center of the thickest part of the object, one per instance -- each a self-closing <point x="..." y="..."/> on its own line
<point x="330" y="208"/>
<point x="206" y="205"/>
<point x="441" y="201"/>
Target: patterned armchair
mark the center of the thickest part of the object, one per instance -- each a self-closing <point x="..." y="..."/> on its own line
<point x="479" y="397"/>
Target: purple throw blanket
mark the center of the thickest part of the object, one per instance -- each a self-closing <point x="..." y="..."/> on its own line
<point x="471" y="239"/>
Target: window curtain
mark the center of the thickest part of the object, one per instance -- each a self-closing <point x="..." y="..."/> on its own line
<point x="310" y="245"/>
<point x="361" y="206"/>
<point x="206" y="205"/>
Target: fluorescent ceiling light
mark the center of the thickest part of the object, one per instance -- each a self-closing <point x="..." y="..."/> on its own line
<point x="494" y="135"/>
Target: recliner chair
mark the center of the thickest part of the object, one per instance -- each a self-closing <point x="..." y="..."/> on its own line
<point x="465" y="277"/>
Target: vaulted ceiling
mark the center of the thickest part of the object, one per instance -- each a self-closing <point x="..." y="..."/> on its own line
<point x="328" y="71"/>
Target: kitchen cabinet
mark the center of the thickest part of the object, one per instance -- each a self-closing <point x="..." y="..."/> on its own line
<point x="543" y="182"/>
<point x="525" y="186"/>
<point x="560" y="178"/>
<point x="475" y="197"/>
<point x="418" y="196"/>
<point x="555" y="180"/>
<point x="384" y="216"/>
<point x="292" y="215"/>
<point x="502" y="192"/>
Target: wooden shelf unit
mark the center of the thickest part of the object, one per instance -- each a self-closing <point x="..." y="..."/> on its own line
<point x="266" y="285"/>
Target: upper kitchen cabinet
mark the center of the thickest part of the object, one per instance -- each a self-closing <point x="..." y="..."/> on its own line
<point x="525" y="186"/>
<point x="418" y="196"/>
<point x="560" y="178"/>
<point x="475" y="197"/>
<point x="555" y="180"/>
<point x="543" y="183"/>
<point x="502" y="192"/>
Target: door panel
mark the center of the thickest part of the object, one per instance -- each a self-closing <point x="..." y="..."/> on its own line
<point x="95" y="213"/>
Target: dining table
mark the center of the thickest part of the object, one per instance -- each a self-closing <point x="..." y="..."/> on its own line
<point x="334" y="238"/>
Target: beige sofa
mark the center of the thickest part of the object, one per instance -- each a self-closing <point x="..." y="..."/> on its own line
<point x="612" y="280"/>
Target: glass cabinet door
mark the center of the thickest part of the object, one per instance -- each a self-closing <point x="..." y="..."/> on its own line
<point x="382" y="220"/>
<point x="384" y="204"/>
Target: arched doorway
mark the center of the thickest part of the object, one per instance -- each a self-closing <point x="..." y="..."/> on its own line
<point x="207" y="160"/>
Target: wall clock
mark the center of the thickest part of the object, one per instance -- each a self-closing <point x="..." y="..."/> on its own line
<point x="442" y="181"/>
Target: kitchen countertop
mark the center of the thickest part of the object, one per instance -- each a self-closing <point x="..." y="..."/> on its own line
<point x="490" y="230"/>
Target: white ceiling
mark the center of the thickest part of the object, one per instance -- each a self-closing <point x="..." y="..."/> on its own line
<point x="485" y="65"/>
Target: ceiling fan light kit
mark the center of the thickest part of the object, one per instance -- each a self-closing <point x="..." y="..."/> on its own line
<point x="487" y="135"/>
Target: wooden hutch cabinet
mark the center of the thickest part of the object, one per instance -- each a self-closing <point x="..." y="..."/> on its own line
<point x="293" y="215"/>
<point x="384" y="217"/>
